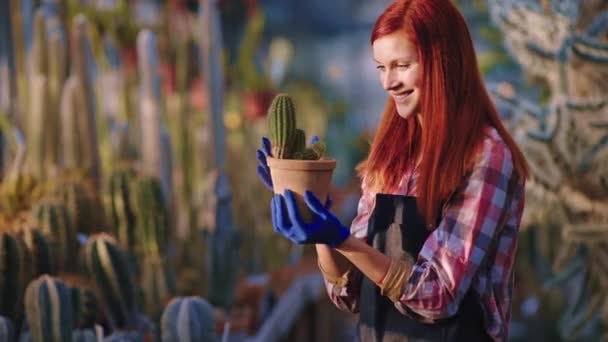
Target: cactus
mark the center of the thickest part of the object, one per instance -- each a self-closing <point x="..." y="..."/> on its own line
<point x="299" y="141"/>
<point x="55" y="222"/>
<point x="151" y="216"/>
<point x="7" y="329"/>
<point x="39" y="255"/>
<point x="158" y="285"/>
<point x="84" y="307"/>
<point x="48" y="309"/>
<point x="282" y="125"/>
<point x="17" y="192"/>
<point x="86" y="335"/>
<point x="79" y="197"/>
<point x="188" y="319"/>
<point x="107" y="266"/>
<point x="81" y="51"/>
<point x="121" y="212"/>
<point x="130" y="336"/>
<point x="12" y="276"/>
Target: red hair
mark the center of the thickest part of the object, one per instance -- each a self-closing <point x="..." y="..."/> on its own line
<point x="454" y="107"/>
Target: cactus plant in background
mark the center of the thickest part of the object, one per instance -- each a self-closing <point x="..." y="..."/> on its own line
<point x="48" y="309"/>
<point x="188" y="319"/>
<point x="7" y="329"/>
<point x="120" y="209"/>
<point x="107" y="266"/>
<point x="80" y="198"/>
<point x="40" y="255"/>
<point x="85" y="308"/>
<point x="80" y="54"/>
<point x="151" y="216"/>
<point x="55" y="222"/>
<point x="12" y="276"/>
<point x="155" y="154"/>
<point x="157" y="284"/>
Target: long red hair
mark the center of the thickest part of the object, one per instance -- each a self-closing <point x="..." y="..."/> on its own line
<point x="454" y="107"/>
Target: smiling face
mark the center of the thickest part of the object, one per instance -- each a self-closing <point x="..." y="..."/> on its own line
<point x="397" y="61"/>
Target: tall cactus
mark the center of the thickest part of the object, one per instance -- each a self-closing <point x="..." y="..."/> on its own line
<point x="151" y="216"/>
<point x="12" y="276"/>
<point x="158" y="285"/>
<point x="48" y="309"/>
<point x="81" y="60"/>
<point x="82" y="203"/>
<point x="107" y="266"/>
<point x="188" y="319"/>
<point x="154" y="153"/>
<point x="55" y="222"/>
<point x="120" y="209"/>
<point x="39" y="99"/>
<point x="282" y="126"/>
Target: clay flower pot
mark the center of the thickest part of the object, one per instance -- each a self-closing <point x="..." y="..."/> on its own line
<point x="299" y="176"/>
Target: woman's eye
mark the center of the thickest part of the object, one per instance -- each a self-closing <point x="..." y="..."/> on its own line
<point x="380" y="67"/>
<point x="403" y="66"/>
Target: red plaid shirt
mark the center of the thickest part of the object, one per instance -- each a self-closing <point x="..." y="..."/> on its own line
<point x="473" y="246"/>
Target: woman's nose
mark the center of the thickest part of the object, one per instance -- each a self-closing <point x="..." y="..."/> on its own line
<point x="389" y="81"/>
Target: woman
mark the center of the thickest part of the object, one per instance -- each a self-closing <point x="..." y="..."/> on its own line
<point x="430" y="254"/>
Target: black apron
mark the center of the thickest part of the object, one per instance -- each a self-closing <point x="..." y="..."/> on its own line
<point x="395" y="228"/>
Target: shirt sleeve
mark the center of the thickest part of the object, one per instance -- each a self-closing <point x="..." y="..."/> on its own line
<point x="345" y="293"/>
<point x="472" y="219"/>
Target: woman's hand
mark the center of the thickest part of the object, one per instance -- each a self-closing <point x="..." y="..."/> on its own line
<point x="325" y="228"/>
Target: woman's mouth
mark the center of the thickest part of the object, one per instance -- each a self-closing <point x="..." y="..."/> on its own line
<point x="402" y="96"/>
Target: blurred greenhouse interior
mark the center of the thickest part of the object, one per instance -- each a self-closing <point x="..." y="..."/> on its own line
<point x="130" y="208"/>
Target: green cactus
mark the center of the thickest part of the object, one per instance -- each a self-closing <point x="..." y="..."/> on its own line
<point x="55" y="222"/>
<point x="48" y="309"/>
<point x="130" y="336"/>
<point x="299" y="141"/>
<point x="188" y="319"/>
<point x="107" y="265"/>
<point x="7" y="329"/>
<point x="85" y="213"/>
<point x="282" y="125"/>
<point x="12" y="276"/>
<point x="85" y="307"/>
<point x="319" y="148"/>
<point x="121" y="212"/>
<point x="86" y="335"/>
<point x="151" y="216"/>
<point x="40" y="255"/>
<point x="157" y="284"/>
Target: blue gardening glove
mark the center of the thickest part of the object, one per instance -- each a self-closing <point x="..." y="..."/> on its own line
<point x="263" y="170"/>
<point x="325" y="228"/>
<point x="265" y="151"/>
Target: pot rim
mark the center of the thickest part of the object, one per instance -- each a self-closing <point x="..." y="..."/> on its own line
<point x="297" y="164"/>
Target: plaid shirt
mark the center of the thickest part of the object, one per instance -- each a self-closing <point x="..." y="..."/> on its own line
<point x="473" y="246"/>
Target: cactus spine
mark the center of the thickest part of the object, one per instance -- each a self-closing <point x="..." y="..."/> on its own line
<point x="188" y="319"/>
<point x="49" y="310"/>
<point x="107" y="265"/>
<point x="282" y="125"/>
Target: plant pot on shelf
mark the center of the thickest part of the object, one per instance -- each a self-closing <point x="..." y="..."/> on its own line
<point x="299" y="176"/>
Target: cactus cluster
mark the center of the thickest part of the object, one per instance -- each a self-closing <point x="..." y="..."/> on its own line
<point x="188" y="319"/>
<point x="48" y="309"/>
<point x="288" y="141"/>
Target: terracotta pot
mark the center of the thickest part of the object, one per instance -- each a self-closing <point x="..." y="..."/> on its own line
<point x="301" y="175"/>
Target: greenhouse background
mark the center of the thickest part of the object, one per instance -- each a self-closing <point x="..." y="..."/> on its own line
<point x="130" y="208"/>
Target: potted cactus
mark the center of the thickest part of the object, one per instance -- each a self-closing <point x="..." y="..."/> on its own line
<point x="293" y="165"/>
